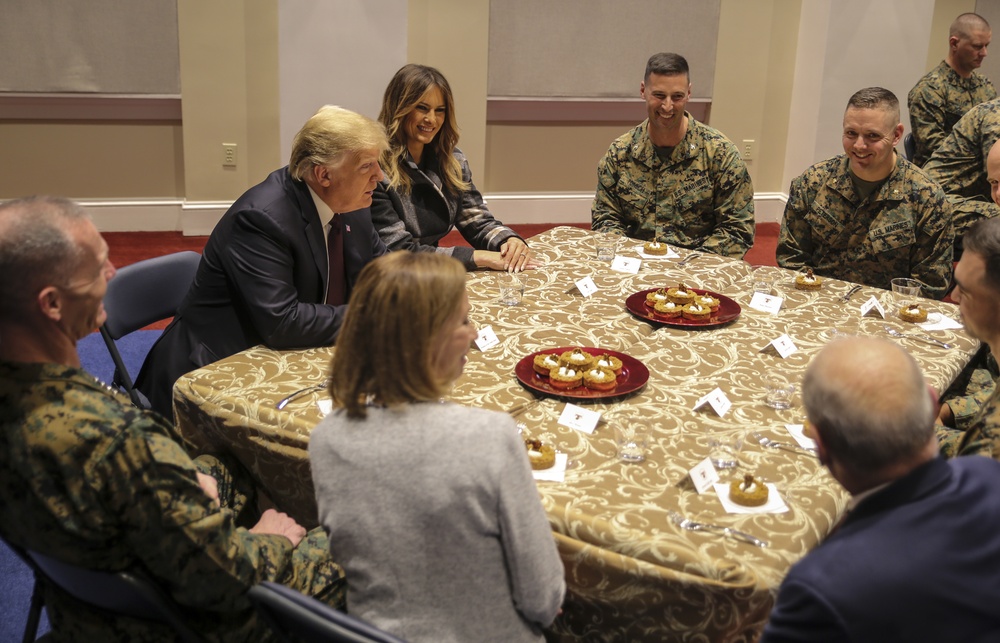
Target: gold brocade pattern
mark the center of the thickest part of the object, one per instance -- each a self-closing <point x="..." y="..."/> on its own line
<point x="632" y="574"/>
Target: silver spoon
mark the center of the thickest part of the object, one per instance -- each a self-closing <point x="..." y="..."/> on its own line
<point x="920" y="338"/>
<point x="302" y="391"/>
<point x="693" y="525"/>
<point x="765" y="441"/>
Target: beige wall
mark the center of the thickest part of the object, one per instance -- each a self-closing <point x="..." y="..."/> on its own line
<point x="230" y="84"/>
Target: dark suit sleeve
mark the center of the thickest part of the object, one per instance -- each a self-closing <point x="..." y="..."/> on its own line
<point x="259" y="261"/>
<point x="802" y="615"/>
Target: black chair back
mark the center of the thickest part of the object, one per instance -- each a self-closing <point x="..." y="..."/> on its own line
<point x="140" y="294"/>
<point x="298" y="618"/>
<point x="125" y="593"/>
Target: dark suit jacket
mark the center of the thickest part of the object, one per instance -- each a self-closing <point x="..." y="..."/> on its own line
<point x="261" y="280"/>
<point x="917" y="561"/>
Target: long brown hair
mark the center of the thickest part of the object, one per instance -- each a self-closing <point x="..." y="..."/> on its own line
<point x="388" y="343"/>
<point x="401" y="97"/>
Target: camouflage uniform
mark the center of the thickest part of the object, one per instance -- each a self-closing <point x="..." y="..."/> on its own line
<point x="903" y="230"/>
<point x="936" y="103"/>
<point x="982" y="438"/>
<point x="701" y="198"/>
<point x="971" y="391"/>
<point x="88" y="479"/>
<point x="959" y="165"/>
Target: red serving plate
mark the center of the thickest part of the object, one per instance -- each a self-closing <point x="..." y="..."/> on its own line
<point x="728" y="310"/>
<point x="633" y="376"/>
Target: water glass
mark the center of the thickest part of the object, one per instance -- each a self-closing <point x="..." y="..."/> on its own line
<point x="607" y="245"/>
<point x="909" y="288"/>
<point x="632" y="440"/>
<point x="724" y="451"/>
<point x="778" y="391"/>
<point x="511" y="288"/>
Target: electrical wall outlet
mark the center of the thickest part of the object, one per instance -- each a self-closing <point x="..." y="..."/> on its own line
<point x="229" y="155"/>
<point x="749" y="149"/>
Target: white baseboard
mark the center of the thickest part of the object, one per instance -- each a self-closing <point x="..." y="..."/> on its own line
<point x="199" y="217"/>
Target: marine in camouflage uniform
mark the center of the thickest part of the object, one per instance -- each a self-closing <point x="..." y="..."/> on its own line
<point x="700" y="198"/>
<point x="966" y="397"/>
<point x="981" y="438"/>
<point x="938" y="101"/>
<point x="903" y="230"/>
<point x="90" y="480"/>
<point x="959" y="165"/>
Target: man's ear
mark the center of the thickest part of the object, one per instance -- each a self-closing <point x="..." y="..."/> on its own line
<point x="50" y="302"/>
<point x="821" y="451"/>
<point x="953" y="43"/>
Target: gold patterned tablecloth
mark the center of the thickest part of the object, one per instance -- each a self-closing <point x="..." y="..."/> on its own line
<point x="632" y="574"/>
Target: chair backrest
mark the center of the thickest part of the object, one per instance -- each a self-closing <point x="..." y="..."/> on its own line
<point x="303" y="619"/>
<point x="125" y="593"/>
<point x="909" y="146"/>
<point x="140" y="294"/>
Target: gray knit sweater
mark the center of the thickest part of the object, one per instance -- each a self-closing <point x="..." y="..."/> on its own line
<point x="433" y="513"/>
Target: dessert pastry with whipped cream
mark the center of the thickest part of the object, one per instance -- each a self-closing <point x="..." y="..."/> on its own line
<point x="545" y="362"/>
<point x="566" y="376"/>
<point x="609" y="362"/>
<point x="913" y="313"/>
<point x="808" y="281"/>
<point x="656" y="296"/>
<point x="578" y="358"/>
<point x="655" y="248"/>
<point x="707" y="301"/>
<point x="681" y="295"/>
<point x="600" y="379"/>
<point x="668" y="309"/>
<point x="541" y="456"/>
<point x="749" y="492"/>
<point x="696" y="312"/>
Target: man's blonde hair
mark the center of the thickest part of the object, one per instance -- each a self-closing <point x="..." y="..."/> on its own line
<point x="331" y="136"/>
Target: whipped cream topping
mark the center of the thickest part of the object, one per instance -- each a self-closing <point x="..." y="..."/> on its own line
<point x="567" y="371"/>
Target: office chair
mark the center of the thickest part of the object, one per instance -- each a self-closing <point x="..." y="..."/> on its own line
<point x="298" y="618"/>
<point x="125" y="593"/>
<point x="909" y="146"/>
<point x="140" y="294"/>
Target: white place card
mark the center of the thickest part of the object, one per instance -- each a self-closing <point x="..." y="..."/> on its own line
<point x="717" y="400"/>
<point x="784" y="345"/>
<point x="486" y="338"/>
<point x="586" y="286"/>
<point x="630" y="265"/>
<point x="579" y="418"/>
<point x="555" y="473"/>
<point x="703" y="475"/>
<point x="325" y="406"/>
<point x="766" y="303"/>
<point x="872" y="304"/>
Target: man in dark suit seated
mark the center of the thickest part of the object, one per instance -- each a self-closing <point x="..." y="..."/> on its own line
<point x="88" y="479"/>
<point x="915" y="558"/>
<point x="279" y="266"/>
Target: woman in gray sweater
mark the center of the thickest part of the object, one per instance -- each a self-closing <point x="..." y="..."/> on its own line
<point x="428" y="187"/>
<point x="430" y="506"/>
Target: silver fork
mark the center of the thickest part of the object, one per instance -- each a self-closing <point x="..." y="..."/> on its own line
<point x="302" y="391"/>
<point x="686" y="259"/>
<point x="694" y="525"/>
<point x="920" y="338"/>
<point x="850" y="293"/>
<point x="765" y="441"/>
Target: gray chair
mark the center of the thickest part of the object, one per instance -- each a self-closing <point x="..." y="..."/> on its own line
<point x="909" y="146"/>
<point x="125" y="593"/>
<point x="140" y="294"/>
<point x="298" y="618"/>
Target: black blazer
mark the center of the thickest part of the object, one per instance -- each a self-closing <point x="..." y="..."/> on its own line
<point x="262" y="280"/>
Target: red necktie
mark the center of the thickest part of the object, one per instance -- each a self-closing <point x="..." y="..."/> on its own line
<point x="336" y="290"/>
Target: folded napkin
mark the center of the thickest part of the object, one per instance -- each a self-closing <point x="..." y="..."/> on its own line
<point x="555" y="473"/>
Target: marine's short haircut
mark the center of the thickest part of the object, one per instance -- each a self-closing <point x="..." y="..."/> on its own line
<point x="667" y="64"/>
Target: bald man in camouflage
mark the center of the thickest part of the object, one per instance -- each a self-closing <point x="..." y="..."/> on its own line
<point x="88" y="479"/>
